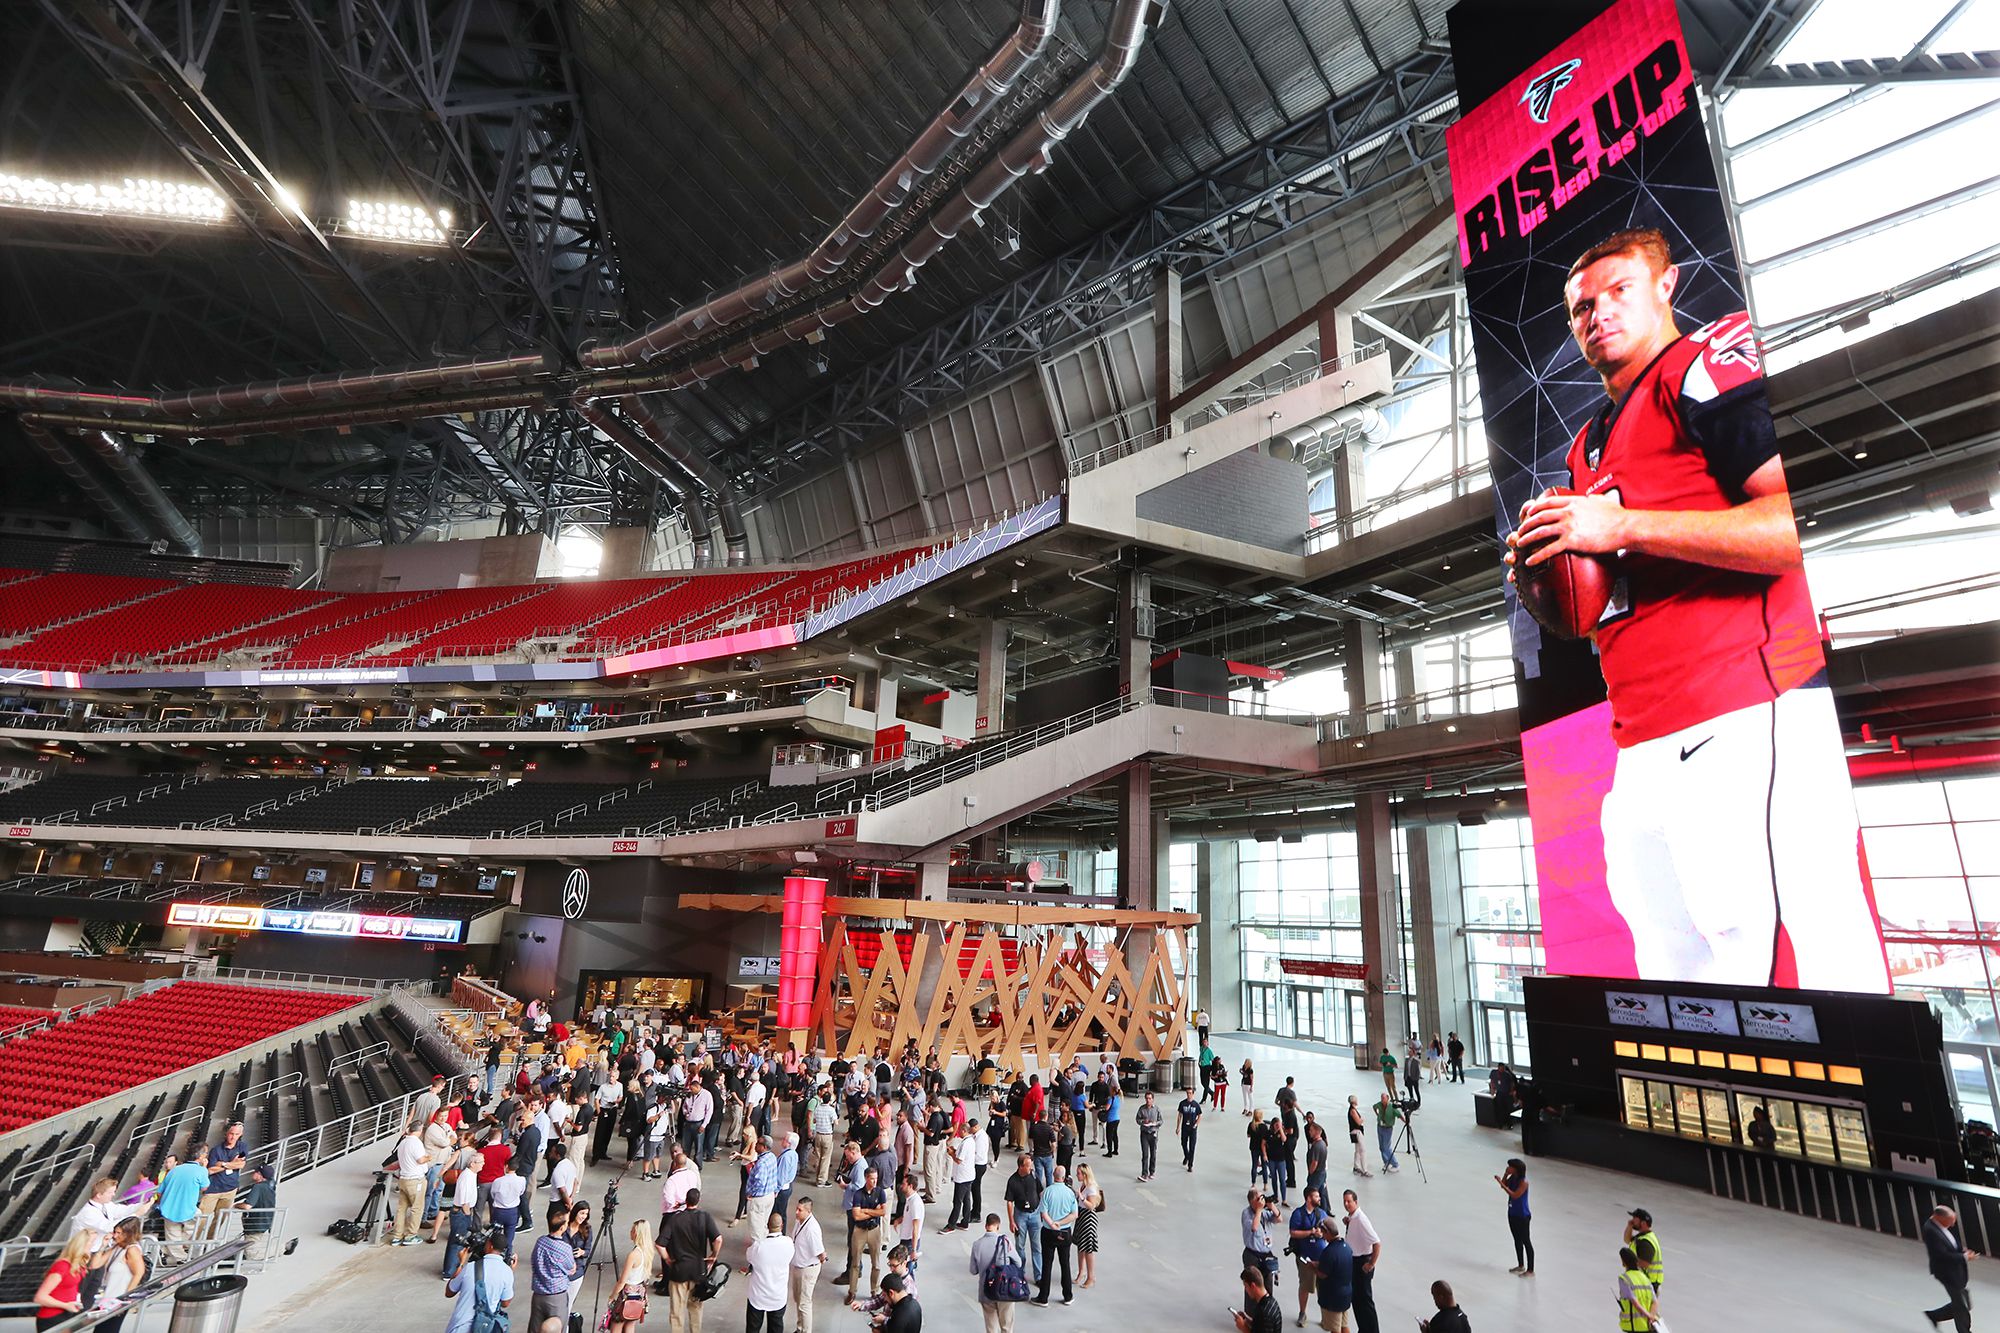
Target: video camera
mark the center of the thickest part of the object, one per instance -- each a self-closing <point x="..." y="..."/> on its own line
<point x="1409" y="1106"/>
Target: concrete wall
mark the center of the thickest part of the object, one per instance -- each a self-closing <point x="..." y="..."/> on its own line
<point x="385" y="960"/>
<point x="1248" y="497"/>
<point x="480" y="562"/>
<point x="666" y="941"/>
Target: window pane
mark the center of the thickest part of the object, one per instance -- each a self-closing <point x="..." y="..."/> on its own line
<point x="1660" y="1105"/>
<point x="1901" y="803"/>
<point x="1918" y="849"/>
<point x="1850" y="1135"/>
<point x="1974" y="798"/>
<point x="1979" y="847"/>
<point x="1635" y="1102"/>
<point x="1715" y="1113"/>
<point x="1816" y="1130"/>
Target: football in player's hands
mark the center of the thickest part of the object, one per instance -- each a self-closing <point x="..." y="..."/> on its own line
<point x="1566" y="593"/>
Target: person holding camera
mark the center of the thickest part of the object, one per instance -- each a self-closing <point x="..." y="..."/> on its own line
<point x="482" y="1286"/>
<point x="1258" y="1217"/>
<point x="1386" y="1112"/>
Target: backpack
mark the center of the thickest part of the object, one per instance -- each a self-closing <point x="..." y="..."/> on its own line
<point x="484" y="1320"/>
<point x="1003" y="1279"/>
<point x="711" y="1285"/>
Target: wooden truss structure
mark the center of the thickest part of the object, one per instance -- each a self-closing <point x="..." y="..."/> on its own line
<point x="959" y="990"/>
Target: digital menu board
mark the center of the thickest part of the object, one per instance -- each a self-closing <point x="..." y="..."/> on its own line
<point x="345" y="925"/>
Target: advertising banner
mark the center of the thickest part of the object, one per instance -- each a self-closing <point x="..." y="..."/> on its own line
<point x="344" y="925"/>
<point x="1686" y="783"/>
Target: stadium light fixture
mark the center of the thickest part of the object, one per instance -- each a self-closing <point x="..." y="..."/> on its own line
<point x="133" y="197"/>
<point x="397" y="222"/>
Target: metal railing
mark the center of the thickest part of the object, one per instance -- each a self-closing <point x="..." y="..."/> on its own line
<point x="207" y="1259"/>
<point x="1224" y="406"/>
<point x="1885" y="1201"/>
<point x="261" y="976"/>
<point x="1451" y="701"/>
<point x="1336" y="529"/>
<point x="997" y="752"/>
<point x="356" y="1057"/>
<point x="88" y="1007"/>
<point x="1965" y="586"/>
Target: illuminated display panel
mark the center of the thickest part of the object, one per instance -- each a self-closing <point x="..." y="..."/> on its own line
<point x="344" y="925"/>
<point x="1660" y="852"/>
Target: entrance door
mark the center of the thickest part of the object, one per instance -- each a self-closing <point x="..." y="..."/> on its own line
<point x="1972" y="1080"/>
<point x="1506" y="1031"/>
<point x="1260" y="1006"/>
<point x="1308" y="1012"/>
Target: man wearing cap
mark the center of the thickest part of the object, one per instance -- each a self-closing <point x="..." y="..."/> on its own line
<point x="258" y="1204"/>
<point x="1640" y="1236"/>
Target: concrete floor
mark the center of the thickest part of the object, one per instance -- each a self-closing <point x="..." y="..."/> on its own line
<point x="1170" y="1249"/>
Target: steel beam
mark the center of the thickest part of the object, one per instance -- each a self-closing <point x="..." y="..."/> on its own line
<point x="1375" y="137"/>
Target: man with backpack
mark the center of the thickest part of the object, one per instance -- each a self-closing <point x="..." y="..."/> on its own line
<point x="483" y="1287"/>
<point x="1000" y="1284"/>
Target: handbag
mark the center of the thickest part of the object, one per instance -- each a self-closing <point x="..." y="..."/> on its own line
<point x="1004" y="1279"/>
<point x="711" y="1285"/>
<point x="630" y="1307"/>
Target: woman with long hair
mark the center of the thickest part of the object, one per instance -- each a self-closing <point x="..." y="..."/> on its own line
<point x="628" y="1300"/>
<point x="1515" y="1182"/>
<point x="1218" y="1079"/>
<point x="1066" y="1139"/>
<point x="1249" y="1077"/>
<point x="1089" y="1203"/>
<point x="56" y="1299"/>
<point x="578" y="1234"/>
<point x="1260" y="1148"/>
<point x="743" y="1157"/>
<point x="122" y="1266"/>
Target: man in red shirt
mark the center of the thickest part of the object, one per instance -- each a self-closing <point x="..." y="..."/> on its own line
<point x="1729" y="811"/>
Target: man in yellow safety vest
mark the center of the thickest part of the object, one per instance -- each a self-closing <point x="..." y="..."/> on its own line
<point x="1645" y="1243"/>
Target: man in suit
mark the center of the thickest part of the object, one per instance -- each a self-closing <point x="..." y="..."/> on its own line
<point x="1948" y="1257"/>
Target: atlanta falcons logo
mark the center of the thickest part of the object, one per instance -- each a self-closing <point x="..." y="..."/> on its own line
<point x="1543" y="88"/>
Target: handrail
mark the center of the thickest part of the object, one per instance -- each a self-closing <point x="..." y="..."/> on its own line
<point x="226" y="1253"/>
<point x="269" y="1086"/>
<point x="355" y="1057"/>
<point x="1929" y="592"/>
<point x="166" y="1124"/>
<point x="62" y="1161"/>
<point x="927" y="779"/>
<point x="262" y="976"/>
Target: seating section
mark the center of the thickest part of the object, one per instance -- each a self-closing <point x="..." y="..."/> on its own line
<point x="99" y="622"/>
<point x="369" y="803"/>
<point x="51" y="599"/>
<point x="698" y="603"/>
<point x="140" y="631"/>
<point x="378" y="1058"/>
<point x="134" y="1042"/>
<point x="342" y="609"/>
<point x="412" y="621"/>
<point x="556" y="609"/>
<point x="14" y="1015"/>
<point x="584" y="810"/>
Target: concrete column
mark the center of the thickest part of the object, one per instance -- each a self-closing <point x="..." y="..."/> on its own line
<point x="1361" y="660"/>
<point x="1407" y="664"/>
<point x="1141" y="940"/>
<point x="1438" y="961"/>
<point x="1168" y="343"/>
<point x="628" y="551"/>
<point x="1336" y="334"/>
<point x="932" y="878"/>
<point x="1381" y="937"/>
<point x="1137" y="862"/>
<point x="990" y="709"/>
<point x="1135" y="632"/>
<point x="886" y="690"/>
<point x="1219" y="987"/>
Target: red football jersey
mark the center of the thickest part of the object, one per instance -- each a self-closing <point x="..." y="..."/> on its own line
<point x="1680" y="642"/>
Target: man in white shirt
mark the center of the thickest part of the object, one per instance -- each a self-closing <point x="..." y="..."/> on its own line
<point x="412" y="1159"/>
<point x="101" y="1212"/>
<point x="910" y="1226"/>
<point x="696" y="1112"/>
<point x="769" y="1265"/>
<point x="808" y="1255"/>
<point x="963" y="1172"/>
<point x="562" y="1177"/>
<point x="1367" y="1248"/>
<point x="982" y="1157"/>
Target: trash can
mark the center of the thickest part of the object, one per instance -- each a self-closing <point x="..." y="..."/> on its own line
<point x="208" y="1304"/>
<point x="1163" y="1073"/>
<point x="1188" y="1077"/>
<point x="1363" y="1055"/>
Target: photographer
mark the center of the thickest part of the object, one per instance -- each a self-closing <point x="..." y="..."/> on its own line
<point x="1386" y="1114"/>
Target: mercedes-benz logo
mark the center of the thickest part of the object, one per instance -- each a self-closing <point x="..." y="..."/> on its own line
<point x="576" y="893"/>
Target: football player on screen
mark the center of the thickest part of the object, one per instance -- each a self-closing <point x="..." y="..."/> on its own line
<point x="1730" y="810"/>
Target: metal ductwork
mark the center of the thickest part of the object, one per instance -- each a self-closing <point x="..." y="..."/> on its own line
<point x="1028" y="153"/>
<point x="1359" y="419"/>
<point x="126" y="467"/>
<point x="700" y="532"/>
<point x="269" y="398"/>
<point x="970" y="105"/>
<point x="123" y="515"/>
<point x="707" y="476"/>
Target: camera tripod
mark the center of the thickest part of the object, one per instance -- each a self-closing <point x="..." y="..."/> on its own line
<point x="1406" y="1142"/>
<point x="604" y="1236"/>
